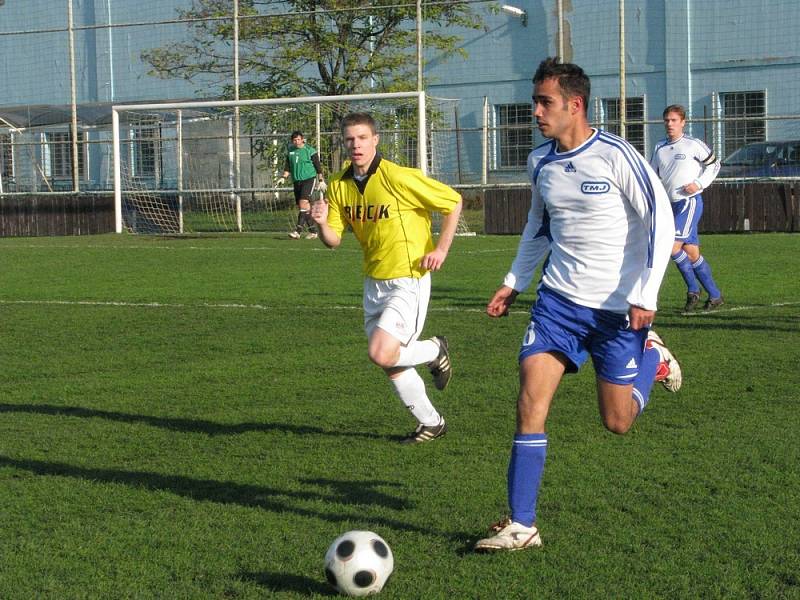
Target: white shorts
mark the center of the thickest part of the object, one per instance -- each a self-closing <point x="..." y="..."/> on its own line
<point x="398" y="306"/>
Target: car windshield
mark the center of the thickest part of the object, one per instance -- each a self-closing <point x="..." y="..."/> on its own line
<point x="791" y="154"/>
<point x="752" y="155"/>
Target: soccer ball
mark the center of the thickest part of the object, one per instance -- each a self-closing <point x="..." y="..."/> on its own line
<point x="358" y="563"/>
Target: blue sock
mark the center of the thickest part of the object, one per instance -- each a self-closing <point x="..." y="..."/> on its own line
<point x="703" y="271"/>
<point x="525" y="474"/>
<point x="646" y="378"/>
<point x="684" y="264"/>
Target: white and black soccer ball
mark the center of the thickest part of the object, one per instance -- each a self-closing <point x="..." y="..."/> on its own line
<point x="358" y="563"/>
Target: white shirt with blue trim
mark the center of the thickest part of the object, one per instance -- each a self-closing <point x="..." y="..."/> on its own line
<point x="602" y="214"/>
<point x="682" y="162"/>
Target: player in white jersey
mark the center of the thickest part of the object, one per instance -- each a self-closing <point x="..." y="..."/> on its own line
<point x="686" y="167"/>
<point x="600" y="215"/>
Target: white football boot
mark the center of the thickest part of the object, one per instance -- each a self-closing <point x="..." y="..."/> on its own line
<point x="510" y="535"/>
<point x="669" y="371"/>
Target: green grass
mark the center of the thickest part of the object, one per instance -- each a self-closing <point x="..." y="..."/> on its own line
<point x="196" y="418"/>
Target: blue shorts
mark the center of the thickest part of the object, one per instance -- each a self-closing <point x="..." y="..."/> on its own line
<point x="687" y="213"/>
<point x="577" y="332"/>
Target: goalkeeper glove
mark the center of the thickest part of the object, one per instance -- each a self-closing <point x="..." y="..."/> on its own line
<point x="322" y="186"/>
<point x="280" y="181"/>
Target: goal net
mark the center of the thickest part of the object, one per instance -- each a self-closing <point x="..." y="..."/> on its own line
<point x="215" y="166"/>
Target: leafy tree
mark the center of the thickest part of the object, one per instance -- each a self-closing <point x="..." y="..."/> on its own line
<point x="307" y="47"/>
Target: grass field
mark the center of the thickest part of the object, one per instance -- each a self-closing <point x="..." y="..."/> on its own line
<point x="197" y="418"/>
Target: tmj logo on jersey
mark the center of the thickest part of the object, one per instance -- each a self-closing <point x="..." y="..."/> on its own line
<point x="595" y="187"/>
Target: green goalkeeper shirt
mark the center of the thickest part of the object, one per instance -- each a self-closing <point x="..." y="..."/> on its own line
<point x="302" y="163"/>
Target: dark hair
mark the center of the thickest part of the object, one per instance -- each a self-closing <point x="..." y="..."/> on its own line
<point x="572" y="80"/>
<point x="297" y="134"/>
<point x="359" y="118"/>
<point x="676" y="108"/>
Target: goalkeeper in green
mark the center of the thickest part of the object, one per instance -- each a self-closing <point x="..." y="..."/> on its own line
<point x="302" y="163"/>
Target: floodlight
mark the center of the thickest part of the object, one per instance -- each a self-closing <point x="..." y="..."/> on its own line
<point x="516" y="12"/>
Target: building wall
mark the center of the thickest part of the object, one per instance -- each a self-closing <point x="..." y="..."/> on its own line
<point x="35" y="66"/>
<point x="685" y="52"/>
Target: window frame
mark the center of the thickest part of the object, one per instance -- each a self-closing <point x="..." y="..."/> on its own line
<point x="513" y="141"/>
<point x="7" y="155"/>
<point x="635" y="111"/>
<point x="57" y="152"/>
<point x="741" y="126"/>
<point x="145" y="151"/>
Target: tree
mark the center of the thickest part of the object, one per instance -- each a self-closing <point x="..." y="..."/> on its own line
<point x="306" y="47"/>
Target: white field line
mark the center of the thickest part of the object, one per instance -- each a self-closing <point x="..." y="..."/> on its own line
<point x="700" y="313"/>
<point x="221" y="305"/>
<point x="265" y="307"/>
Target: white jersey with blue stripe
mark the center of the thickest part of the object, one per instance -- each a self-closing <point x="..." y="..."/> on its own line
<point x="603" y="216"/>
<point x="682" y="162"/>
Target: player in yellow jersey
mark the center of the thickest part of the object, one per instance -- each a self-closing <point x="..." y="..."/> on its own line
<point x="389" y="208"/>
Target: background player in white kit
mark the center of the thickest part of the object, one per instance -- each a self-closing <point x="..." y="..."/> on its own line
<point x="686" y="167"/>
<point x="601" y="216"/>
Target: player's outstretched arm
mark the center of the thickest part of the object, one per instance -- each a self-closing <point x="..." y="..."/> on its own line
<point x="319" y="213"/>
<point x="501" y="301"/>
<point x="434" y="260"/>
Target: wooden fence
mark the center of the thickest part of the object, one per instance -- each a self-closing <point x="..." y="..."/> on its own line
<point x="39" y="215"/>
<point x="727" y="208"/>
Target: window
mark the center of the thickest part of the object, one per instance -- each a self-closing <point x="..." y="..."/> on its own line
<point x="743" y="114"/>
<point x="59" y="155"/>
<point x="513" y="135"/>
<point x="6" y="156"/>
<point x="145" y="150"/>
<point x="634" y="120"/>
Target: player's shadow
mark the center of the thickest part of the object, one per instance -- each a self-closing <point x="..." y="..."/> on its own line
<point x="288" y="582"/>
<point x="279" y="501"/>
<point x="361" y="492"/>
<point x="210" y="428"/>
<point x="456" y="303"/>
<point x="715" y="321"/>
<point x="347" y="493"/>
<point x="443" y="296"/>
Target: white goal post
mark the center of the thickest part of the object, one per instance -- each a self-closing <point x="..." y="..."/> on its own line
<point x="214" y="166"/>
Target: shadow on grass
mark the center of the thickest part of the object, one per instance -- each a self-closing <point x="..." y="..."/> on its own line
<point x="731" y="318"/>
<point x="184" y="425"/>
<point x="347" y="493"/>
<point x="287" y="582"/>
<point x="361" y="492"/>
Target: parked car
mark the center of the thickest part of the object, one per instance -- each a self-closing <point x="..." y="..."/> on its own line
<point x="764" y="159"/>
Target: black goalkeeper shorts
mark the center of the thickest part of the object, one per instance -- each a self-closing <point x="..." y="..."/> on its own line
<point x="303" y="189"/>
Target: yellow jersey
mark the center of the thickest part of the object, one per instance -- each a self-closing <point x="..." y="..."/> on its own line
<point x="390" y="214"/>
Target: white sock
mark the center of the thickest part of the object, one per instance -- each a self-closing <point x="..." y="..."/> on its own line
<point x="417" y="353"/>
<point x="411" y="390"/>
